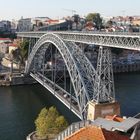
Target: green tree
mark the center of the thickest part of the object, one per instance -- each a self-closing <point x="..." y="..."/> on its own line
<point x="21" y="53"/>
<point x="96" y="18"/>
<point x="51" y="117"/>
<point x="61" y="123"/>
<point x="76" y="20"/>
<point x="109" y="23"/>
<point x="41" y="124"/>
<point x="49" y="122"/>
<point x="23" y="47"/>
<point x="40" y="24"/>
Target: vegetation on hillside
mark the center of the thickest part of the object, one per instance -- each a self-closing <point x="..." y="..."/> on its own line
<point x="21" y="53"/>
<point x="96" y="19"/>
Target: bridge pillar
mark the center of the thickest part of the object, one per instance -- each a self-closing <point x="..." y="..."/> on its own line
<point x="102" y="109"/>
<point x="104" y="95"/>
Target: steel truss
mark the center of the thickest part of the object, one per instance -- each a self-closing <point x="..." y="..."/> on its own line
<point x="104" y="85"/>
<point x="118" y="40"/>
<point x="78" y="66"/>
<point x="59" y="92"/>
<point x="88" y="84"/>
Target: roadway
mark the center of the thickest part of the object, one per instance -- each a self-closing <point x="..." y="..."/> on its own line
<point x="123" y="40"/>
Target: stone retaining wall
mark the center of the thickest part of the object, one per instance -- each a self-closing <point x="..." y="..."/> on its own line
<point x="126" y="68"/>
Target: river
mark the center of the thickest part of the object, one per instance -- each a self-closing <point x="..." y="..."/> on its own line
<point x="19" y="105"/>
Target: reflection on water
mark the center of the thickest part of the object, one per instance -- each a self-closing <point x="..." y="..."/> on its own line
<point x="128" y="93"/>
<point x="19" y="105"/>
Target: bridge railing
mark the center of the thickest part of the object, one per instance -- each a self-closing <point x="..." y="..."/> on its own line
<point x="72" y="128"/>
<point x="78" y="32"/>
<point x="56" y="86"/>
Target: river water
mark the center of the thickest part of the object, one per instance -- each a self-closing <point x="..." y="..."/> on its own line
<point x="19" y="105"/>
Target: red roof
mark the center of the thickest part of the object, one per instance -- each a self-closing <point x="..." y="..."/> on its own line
<point x="5" y="39"/>
<point x="14" y="45"/>
<point x="114" y="118"/>
<point x="52" y="21"/>
<point x="96" y="133"/>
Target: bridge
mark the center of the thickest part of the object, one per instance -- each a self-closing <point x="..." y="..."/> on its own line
<point x="86" y="83"/>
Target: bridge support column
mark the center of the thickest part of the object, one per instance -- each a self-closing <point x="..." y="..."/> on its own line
<point x="102" y="109"/>
<point x="104" y="95"/>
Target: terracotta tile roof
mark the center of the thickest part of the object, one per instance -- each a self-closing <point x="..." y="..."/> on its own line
<point x="114" y="118"/>
<point x="95" y="133"/>
<point x="5" y="39"/>
<point x="13" y="45"/>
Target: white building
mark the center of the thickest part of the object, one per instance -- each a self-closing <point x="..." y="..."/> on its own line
<point x="14" y="24"/>
<point x="12" y="47"/>
<point x="24" y="25"/>
<point x="4" y="45"/>
<point x="37" y="20"/>
<point x="3" y="48"/>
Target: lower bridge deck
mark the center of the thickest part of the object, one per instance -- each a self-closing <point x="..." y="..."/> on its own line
<point x="58" y="92"/>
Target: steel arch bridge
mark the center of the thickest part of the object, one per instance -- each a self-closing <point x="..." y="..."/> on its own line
<point x="88" y="84"/>
<point x="83" y="75"/>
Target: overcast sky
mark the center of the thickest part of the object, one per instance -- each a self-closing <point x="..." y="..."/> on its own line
<point x="14" y="9"/>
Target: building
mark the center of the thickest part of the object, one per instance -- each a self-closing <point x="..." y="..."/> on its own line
<point x="14" y="24"/>
<point x="5" y="40"/>
<point x="108" y="128"/>
<point x="136" y="22"/>
<point x="96" y="133"/>
<point x="54" y="25"/>
<point x="38" y="22"/>
<point x="5" y="26"/>
<point x="12" y="47"/>
<point x="3" y="48"/>
<point x="4" y="45"/>
<point x="24" y="25"/>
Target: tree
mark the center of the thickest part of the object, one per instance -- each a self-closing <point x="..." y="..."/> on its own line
<point x="96" y="18"/>
<point x="23" y="47"/>
<point x="20" y="55"/>
<point x="76" y="19"/>
<point x="131" y="19"/>
<point x="61" y="123"/>
<point x="49" y="122"/>
<point x="109" y="23"/>
<point x="50" y="118"/>
<point x="41" y="124"/>
<point x="40" y="24"/>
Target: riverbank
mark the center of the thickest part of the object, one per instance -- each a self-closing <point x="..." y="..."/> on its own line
<point x="16" y="78"/>
<point x="20" y="106"/>
<point x="6" y="79"/>
<point x="122" y="68"/>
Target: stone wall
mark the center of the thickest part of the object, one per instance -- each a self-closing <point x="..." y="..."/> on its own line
<point x="20" y="80"/>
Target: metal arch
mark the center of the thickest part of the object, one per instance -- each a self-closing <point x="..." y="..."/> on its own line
<point x="78" y="82"/>
<point x="99" y="90"/>
<point x="86" y="66"/>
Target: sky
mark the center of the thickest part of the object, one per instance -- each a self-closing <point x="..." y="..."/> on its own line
<point x="15" y="9"/>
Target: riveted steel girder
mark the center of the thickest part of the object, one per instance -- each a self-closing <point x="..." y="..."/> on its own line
<point x="118" y="40"/>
